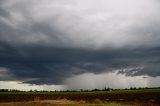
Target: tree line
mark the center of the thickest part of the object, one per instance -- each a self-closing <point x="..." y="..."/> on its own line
<point x="81" y="90"/>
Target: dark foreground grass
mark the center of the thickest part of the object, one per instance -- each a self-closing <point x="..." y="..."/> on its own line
<point x="149" y="97"/>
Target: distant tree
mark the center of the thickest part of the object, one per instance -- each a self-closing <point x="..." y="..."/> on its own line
<point x="81" y="90"/>
<point x="68" y="90"/>
<point x="35" y="90"/>
<point x="133" y="88"/>
<point x="30" y="90"/>
<point x="95" y="89"/>
<point x="4" y="90"/>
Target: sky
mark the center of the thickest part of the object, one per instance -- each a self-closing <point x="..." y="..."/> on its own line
<point x="79" y="44"/>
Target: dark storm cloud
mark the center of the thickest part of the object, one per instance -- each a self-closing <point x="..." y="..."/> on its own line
<point x="3" y="12"/>
<point x="45" y="42"/>
<point x="48" y="65"/>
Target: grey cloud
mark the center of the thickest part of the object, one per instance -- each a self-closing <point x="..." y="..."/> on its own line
<point x="45" y="42"/>
<point x="5" y="74"/>
<point x="48" y="65"/>
<point x="4" y="13"/>
<point x="73" y="24"/>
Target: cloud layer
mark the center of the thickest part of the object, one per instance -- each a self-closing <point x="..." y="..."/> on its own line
<point x="49" y="41"/>
<point x="83" y="24"/>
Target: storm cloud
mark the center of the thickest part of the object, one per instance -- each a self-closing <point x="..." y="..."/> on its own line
<point x="51" y="41"/>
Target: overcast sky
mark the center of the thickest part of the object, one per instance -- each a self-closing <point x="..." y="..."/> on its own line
<point x="79" y="44"/>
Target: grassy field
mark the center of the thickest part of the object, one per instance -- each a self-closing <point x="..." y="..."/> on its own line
<point x="142" y="97"/>
<point x="157" y="90"/>
<point x="64" y="102"/>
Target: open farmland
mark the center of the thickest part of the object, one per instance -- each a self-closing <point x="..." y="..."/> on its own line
<point x="64" y="102"/>
<point x="149" y="96"/>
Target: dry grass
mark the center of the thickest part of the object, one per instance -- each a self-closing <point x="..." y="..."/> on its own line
<point x="59" y="102"/>
<point x="65" y="102"/>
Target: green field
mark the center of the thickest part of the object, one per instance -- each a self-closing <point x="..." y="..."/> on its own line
<point x="157" y="90"/>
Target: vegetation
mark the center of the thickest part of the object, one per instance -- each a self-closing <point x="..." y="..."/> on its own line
<point x="64" y="102"/>
<point x="113" y="96"/>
